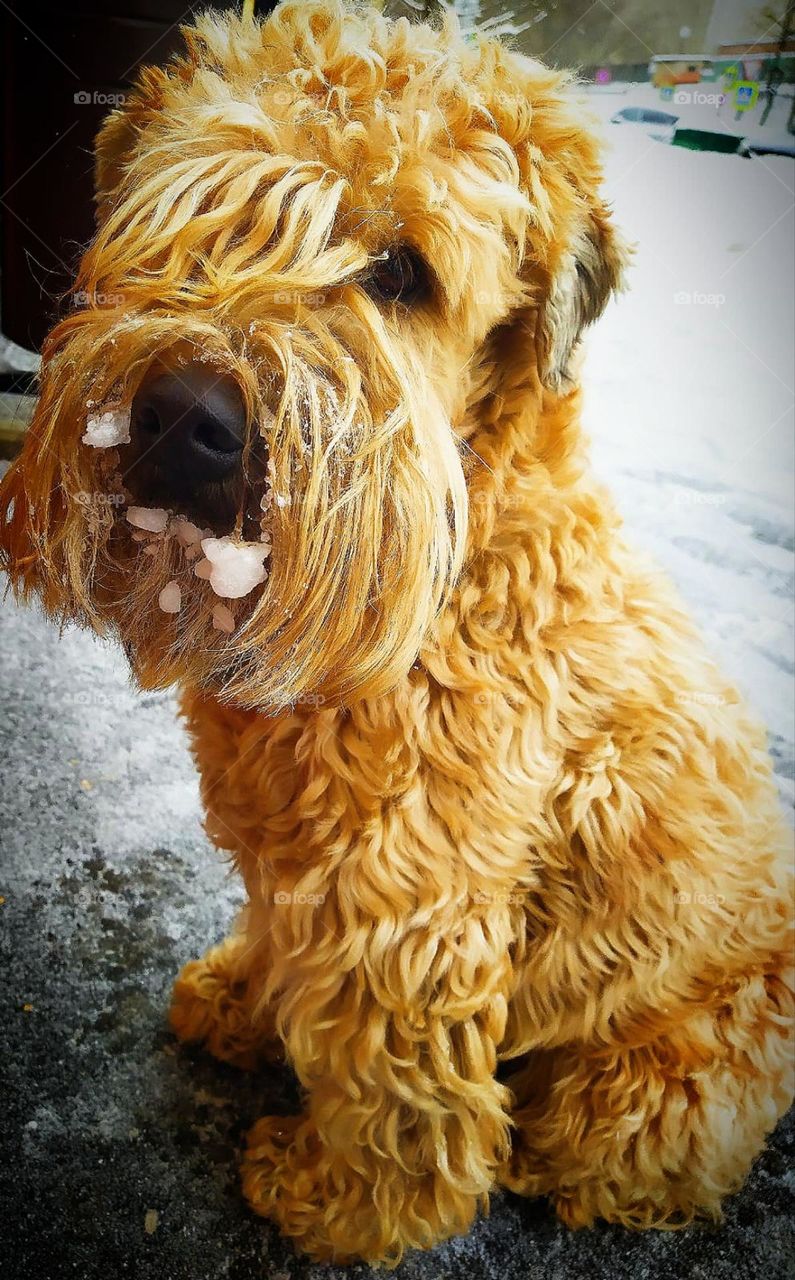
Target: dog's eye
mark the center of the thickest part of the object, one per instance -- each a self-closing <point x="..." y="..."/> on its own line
<point x="399" y="276"/>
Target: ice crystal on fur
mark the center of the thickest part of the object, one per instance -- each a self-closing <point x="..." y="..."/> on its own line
<point x="223" y="619"/>
<point x="109" y="427"/>
<point x="187" y="533"/>
<point x="170" y="598"/>
<point x="236" y="568"/>
<point x="148" y="519"/>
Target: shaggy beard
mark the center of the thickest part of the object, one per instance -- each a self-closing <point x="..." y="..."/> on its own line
<point x="366" y="546"/>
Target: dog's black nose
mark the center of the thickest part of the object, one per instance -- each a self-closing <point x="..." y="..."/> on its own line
<point x="189" y="425"/>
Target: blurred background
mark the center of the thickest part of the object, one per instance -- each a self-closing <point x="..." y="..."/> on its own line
<point x="65" y="65"/>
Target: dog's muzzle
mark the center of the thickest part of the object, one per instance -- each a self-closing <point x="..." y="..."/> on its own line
<point x="188" y="430"/>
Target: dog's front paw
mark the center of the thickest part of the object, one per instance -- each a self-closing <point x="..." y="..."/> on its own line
<point x="283" y="1175"/>
<point x="266" y="1165"/>
<point x="210" y="1006"/>
<point x="325" y="1209"/>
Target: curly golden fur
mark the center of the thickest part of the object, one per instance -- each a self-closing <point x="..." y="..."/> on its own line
<point x="490" y="800"/>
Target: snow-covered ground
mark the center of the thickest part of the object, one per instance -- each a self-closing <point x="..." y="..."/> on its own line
<point x="698" y="106"/>
<point x="689" y="397"/>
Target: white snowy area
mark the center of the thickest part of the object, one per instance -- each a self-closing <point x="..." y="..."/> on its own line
<point x="698" y="106"/>
<point x="689" y="395"/>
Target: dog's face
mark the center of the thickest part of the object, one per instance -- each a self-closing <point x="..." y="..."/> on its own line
<point x="311" y="235"/>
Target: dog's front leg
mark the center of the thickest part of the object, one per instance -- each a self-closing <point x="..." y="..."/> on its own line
<point x="405" y="1123"/>
<point x="214" y="1003"/>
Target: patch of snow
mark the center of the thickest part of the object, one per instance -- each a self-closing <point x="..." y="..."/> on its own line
<point x="688" y="398"/>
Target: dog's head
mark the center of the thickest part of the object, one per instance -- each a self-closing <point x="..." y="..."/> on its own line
<point x="247" y="457"/>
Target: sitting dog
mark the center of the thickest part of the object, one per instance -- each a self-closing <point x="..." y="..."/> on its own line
<point x="311" y="449"/>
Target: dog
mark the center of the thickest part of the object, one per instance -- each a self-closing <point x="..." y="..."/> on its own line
<point x="518" y="889"/>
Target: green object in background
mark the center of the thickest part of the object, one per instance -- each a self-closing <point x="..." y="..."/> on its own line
<point x="730" y="75"/>
<point x="707" y="140"/>
<point x="746" y="93"/>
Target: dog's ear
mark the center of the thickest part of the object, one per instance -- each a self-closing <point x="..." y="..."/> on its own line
<point x="571" y="258"/>
<point x="589" y="270"/>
